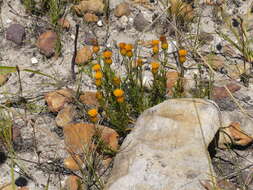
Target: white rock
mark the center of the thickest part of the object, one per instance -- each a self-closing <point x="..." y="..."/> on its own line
<point x="8" y="21"/>
<point x="123" y="21"/>
<point x="72" y="36"/>
<point x="100" y="23"/>
<point x="34" y="60"/>
<point x="147" y="79"/>
<point x="166" y="149"/>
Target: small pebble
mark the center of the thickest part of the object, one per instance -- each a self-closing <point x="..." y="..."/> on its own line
<point x="72" y="36"/>
<point x="100" y="23"/>
<point x="15" y="33"/>
<point x="8" y="21"/>
<point x="123" y="21"/>
<point x="34" y="60"/>
<point x="21" y="182"/>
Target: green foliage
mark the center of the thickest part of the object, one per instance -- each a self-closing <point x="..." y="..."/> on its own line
<point x="5" y="129"/>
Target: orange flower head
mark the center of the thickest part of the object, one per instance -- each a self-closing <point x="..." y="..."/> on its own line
<point x="116" y="81"/>
<point x="118" y="92"/>
<point x="155" y="42"/>
<point x="163" y="38"/>
<point x="182" y="52"/>
<point x="129" y="47"/>
<point x="98" y="75"/>
<point x="122" y="45"/>
<point x="182" y="59"/>
<point x="96" y="67"/>
<point x="93" y="112"/>
<point x="99" y="95"/>
<point x="129" y="54"/>
<point x="155" y="49"/>
<point x="107" y="54"/>
<point x="120" y="99"/>
<point x="123" y="52"/>
<point x="95" y="49"/>
<point x="94" y="119"/>
<point x="108" y="61"/>
<point x="139" y="62"/>
<point x="154" y="67"/>
<point x="165" y="45"/>
<point x="98" y="82"/>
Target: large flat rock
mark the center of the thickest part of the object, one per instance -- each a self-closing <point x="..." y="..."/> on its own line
<point x="167" y="150"/>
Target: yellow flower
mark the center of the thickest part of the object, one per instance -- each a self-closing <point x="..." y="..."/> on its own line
<point x="128" y="47"/>
<point x="139" y="62"/>
<point x="182" y="59"/>
<point x="98" y="82"/>
<point x="129" y="54"/>
<point x="155" y="66"/>
<point x="182" y="52"/>
<point x="120" y="99"/>
<point x="98" y="75"/>
<point x="122" y="45"/>
<point x="165" y="45"/>
<point x="93" y="112"/>
<point x="94" y="119"/>
<point x="155" y="49"/>
<point x="96" y="67"/>
<point x="155" y="42"/>
<point x="108" y="61"/>
<point x="163" y="39"/>
<point x="123" y="52"/>
<point x="99" y="95"/>
<point x="116" y="80"/>
<point x="107" y="54"/>
<point x="95" y="49"/>
<point x="118" y="92"/>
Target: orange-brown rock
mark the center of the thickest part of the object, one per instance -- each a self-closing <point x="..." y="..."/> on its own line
<point x="72" y="183"/>
<point x="172" y="77"/>
<point x="57" y="99"/>
<point x="110" y="137"/>
<point x="93" y="6"/>
<point x="78" y="137"/>
<point x="221" y="92"/>
<point x="65" y="116"/>
<point x="89" y="17"/>
<point x="83" y="55"/>
<point x="4" y="78"/>
<point x="73" y="163"/>
<point x="89" y="98"/>
<point x="237" y="135"/>
<point x="64" y="23"/>
<point x="46" y="43"/>
<point x="122" y="9"/>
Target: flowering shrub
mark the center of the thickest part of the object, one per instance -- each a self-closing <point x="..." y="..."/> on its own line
<point x="123" y="98"/>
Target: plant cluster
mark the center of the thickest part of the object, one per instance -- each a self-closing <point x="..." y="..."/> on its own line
<point x="124" y="97"/>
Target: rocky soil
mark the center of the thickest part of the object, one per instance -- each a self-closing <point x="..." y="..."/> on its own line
<point x="26" y="41"/>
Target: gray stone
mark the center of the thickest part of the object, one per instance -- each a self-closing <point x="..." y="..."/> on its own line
<point x="166" y="149"/>
<point x="15" y="33"/>
<point x="140" y="23"/>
